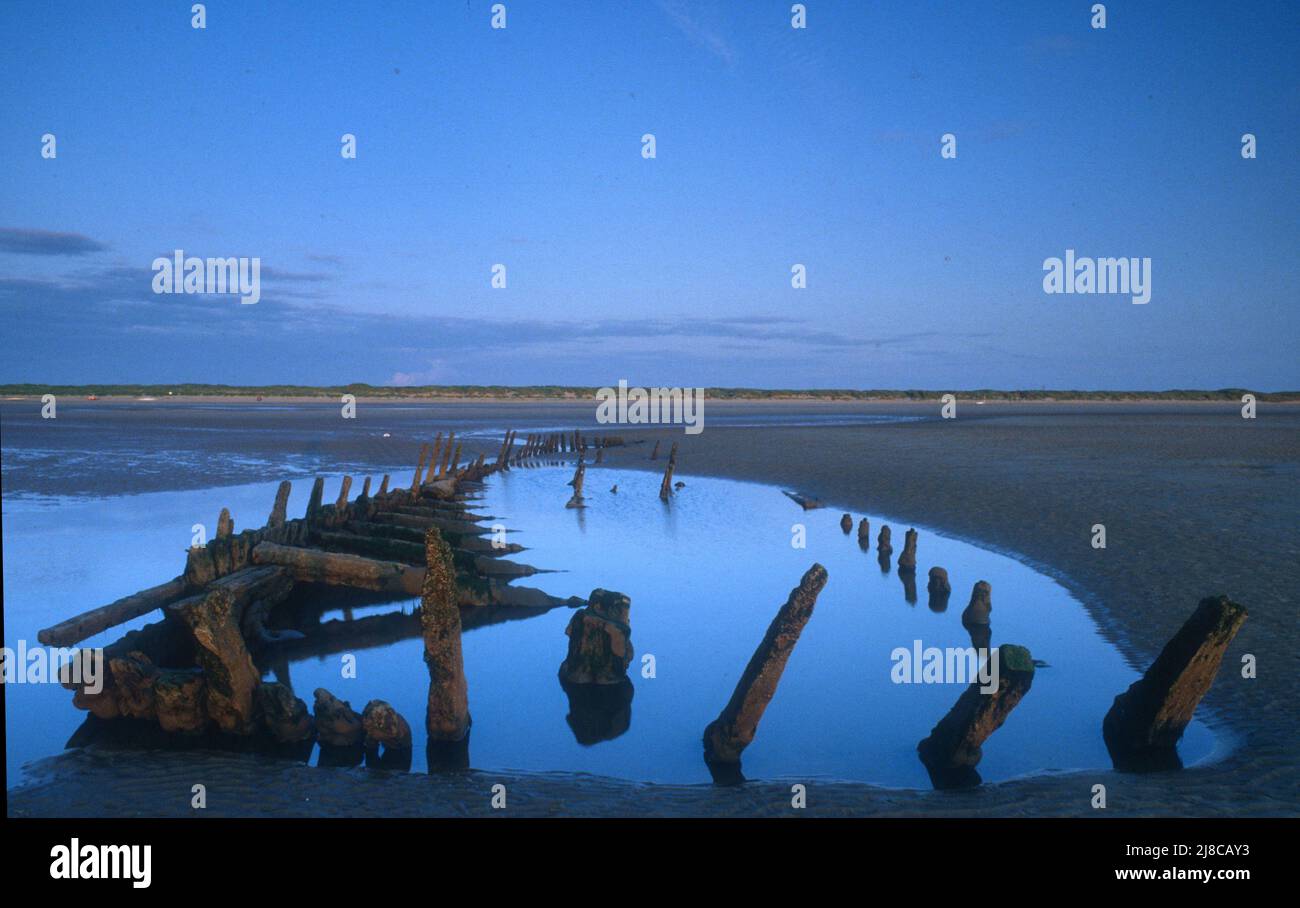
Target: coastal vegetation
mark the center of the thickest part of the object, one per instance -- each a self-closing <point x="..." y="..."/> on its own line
<point x="573" y="392"/>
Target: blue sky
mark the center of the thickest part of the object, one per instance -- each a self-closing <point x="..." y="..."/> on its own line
<point x="775" y="146"/>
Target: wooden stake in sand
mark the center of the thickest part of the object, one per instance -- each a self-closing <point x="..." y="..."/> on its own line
<point x="666" y="487"/>
<point x="231" y="677"/>
<point x="953" y="748"/>
<point x="907" y="560"/>
<point x="281" y="506"/>
<point x="433" y="458"/>
<point x="729" y="734"/>
<point x="419" y="467"/>
<point x="503" y="456"/>
<point x="447" y="716"/>
<point x="225" y="524"/>
<point x="579" y="475"/>
<point x="314" y="502"/>
<point x="1145" y="723"/>
<point x="446" y="455"/>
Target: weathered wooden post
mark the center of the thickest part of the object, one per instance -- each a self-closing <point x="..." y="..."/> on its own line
<point x="600" y="641"/>
<point x="225" y="524"/>
<point x="383" y="485"/>
<point x="231" y="677"/>
<point x="729" y="734"/>
<point x="504" y="453"/>
<point x="883" y="543"/>
<point x="907" y="560"/>
<point x="447" y="717"/>
<point x="654" y="454"/>
<point x="384" y="726"/>
<point x="281" y="506"/>
<point x="446" y="455"/>
<point x="666" y="487"/>
<point x="975" y="617"/>
<point x="953" y="748"/>
<point x="284" y="715"/>
<point x="337" y="724"/>
<point x="1145" y="723"/>
<point x="419" y="467"/>
<point x="314" y="502"/>
<point x="846" y="524"/>
<point x="578" y="475"/>
<point x="344" y="489"/>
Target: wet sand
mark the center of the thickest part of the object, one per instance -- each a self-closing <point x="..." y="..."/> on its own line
<point x="1196" y="501"/>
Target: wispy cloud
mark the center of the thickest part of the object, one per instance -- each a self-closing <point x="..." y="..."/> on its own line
<point x="697" y="32"/>
<point x="26" y="241"/>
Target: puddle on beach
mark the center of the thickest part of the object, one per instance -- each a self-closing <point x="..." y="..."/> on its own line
<point x="706" y="574"/>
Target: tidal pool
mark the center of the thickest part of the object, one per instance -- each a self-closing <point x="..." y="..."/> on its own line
<point x="706" y="573"/>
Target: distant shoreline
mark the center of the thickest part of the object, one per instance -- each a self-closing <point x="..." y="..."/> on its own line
<point x="559" y="394"/>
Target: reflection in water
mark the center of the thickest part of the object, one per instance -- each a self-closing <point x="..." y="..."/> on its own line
<point x="599" y="712"/>
<point x="397" y="759"/>
<point x="909" y="586"/>
<point x="939" y="590"/>
<point x="981" y="636"/>
<point x="883" y="560"/>
<point x="448" y="756"/>
<point x="726" y="773"/>
<point x="703" y="599"/>
<point x="341" y="756"/>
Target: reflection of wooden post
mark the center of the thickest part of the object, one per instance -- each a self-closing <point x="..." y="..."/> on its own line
<point x="447" y="717"/>
<point x="953" y="747"/>
<point x="734" y="729"/>
<point x="1146" y="721"/>
<point x="281" y="506"/>
<point x="666" y="487"/>
<point x="654" y="455"/>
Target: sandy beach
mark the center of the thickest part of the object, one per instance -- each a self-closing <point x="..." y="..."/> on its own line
<point x="1196" y="502"/>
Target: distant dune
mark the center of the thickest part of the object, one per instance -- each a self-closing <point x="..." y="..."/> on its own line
<point x="572" y="392"/>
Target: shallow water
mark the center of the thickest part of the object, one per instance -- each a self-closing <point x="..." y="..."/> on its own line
<point x="706" y="574"/>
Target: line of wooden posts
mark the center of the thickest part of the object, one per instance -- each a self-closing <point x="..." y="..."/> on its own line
<point x="194" y="672"/>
